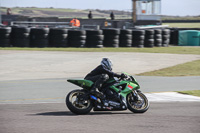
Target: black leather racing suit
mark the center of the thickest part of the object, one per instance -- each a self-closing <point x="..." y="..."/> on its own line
<point x="100" y="75"/>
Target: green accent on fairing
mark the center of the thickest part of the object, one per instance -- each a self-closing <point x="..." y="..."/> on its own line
<point x="81" y="82"/>
<point x="126" y="91"/>
<point x="134" y="80"/>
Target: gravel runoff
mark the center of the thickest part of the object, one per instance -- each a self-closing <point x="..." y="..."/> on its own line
<point x="18" y="65"/>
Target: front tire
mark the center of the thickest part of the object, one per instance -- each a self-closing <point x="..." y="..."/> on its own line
<point x="76" y="105"/>
<point x="137" y="106"/>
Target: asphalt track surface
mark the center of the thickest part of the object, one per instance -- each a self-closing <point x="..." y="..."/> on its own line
<point x="39" y="106"/>
<point x="33" y="88"/>
<point x="55" y="90"/>
<point x="172" y="117"/>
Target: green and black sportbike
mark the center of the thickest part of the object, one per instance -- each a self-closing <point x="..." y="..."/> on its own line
<point x="119" y="94"/>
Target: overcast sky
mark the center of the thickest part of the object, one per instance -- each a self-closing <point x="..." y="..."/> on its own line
<point x="169" y="7"/>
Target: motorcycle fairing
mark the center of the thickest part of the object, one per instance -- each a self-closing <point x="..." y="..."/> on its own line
<point x="81" y="83"/>
<point x="126" y="87"/>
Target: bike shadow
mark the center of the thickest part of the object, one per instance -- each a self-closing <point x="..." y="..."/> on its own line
<point x="68" y="113"/>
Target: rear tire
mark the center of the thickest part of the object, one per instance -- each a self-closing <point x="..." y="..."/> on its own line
<point x="139" y="106"/>
<point x="78" y="106"/>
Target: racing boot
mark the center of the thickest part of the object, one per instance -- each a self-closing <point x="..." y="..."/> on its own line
<point x="96" y="92"/>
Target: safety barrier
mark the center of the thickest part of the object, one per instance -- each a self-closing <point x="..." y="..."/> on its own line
<point x="41" y="24"/>
<point x="59" y="37"/>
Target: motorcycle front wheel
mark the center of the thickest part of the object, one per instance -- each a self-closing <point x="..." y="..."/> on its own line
<point x="77" y="103"/>
<point x="137" y="106"/>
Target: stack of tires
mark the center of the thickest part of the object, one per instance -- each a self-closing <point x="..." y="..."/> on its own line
<point x="158" y="38"/>
<point x="125" y="39"/>
<point x="5" y="36"/>
<point x="39" y="37"/>
<point x="174" y="32"/>
<point x="94" y="39"/>
<point x="58" y="37"/>
<point x="138" y="38"/>
<point x="111" y="37"/>
<point x="149" y="38"/>
<point x="165" y="37"/>
<point x="20" y="37"/>
<point x="76" y="38"/>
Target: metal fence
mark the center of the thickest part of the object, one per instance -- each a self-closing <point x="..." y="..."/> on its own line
<point x="42" y="24"/>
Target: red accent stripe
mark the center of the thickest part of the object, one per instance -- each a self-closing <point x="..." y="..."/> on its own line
<point x="130" y="86"/>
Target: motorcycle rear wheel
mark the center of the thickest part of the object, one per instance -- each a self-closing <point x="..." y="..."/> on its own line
<point x="76" y="105"/>
<point x="139" y="106"/>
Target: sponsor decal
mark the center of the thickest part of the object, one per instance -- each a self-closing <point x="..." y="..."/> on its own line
<point x="130" y="87"/>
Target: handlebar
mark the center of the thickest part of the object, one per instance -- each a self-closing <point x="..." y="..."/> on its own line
<point x="124" y="78"/>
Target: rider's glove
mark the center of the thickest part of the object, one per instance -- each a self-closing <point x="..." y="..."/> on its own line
<point x="123" y="76"/>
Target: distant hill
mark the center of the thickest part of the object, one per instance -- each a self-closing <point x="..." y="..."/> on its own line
<point x="165" y="17"/>
<point x="68" y="13"/>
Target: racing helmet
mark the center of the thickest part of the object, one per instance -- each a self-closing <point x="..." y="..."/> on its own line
<point x="107" y="63"/>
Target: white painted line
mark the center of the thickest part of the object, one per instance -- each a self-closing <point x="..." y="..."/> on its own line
<point x="171" y="97"/>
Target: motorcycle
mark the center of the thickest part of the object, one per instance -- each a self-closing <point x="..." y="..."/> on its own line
<point x="119" y="94"/>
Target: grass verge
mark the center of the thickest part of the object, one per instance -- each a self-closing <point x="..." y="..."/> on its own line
<point x="171" y="50"/>
<point x="186" y="69"/>
<point x="183" y="25"/>
<point x="193" y="92"/>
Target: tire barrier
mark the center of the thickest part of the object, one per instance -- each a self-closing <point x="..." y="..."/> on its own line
<point x="111" y="37"/>
<point x="58" y="37"/>
<point x="76" y="38"/>
<point x="5" y="36"/>
<point x="138" y="38"/>
<point x="149" y="38"/>
<point x="20" y="37"/>
<point x="94" y="39"/>
<point x="125" y="38"/>
<point x="174" y="35"/>
<point x="158" y="37"/>
<point x="39" y="37"/>
<point x="165" y="37"/>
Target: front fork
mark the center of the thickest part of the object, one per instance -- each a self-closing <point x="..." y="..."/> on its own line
<point x="135" y="95"/>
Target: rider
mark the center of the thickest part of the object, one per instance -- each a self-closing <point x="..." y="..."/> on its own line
<point x="101" y="74"/>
